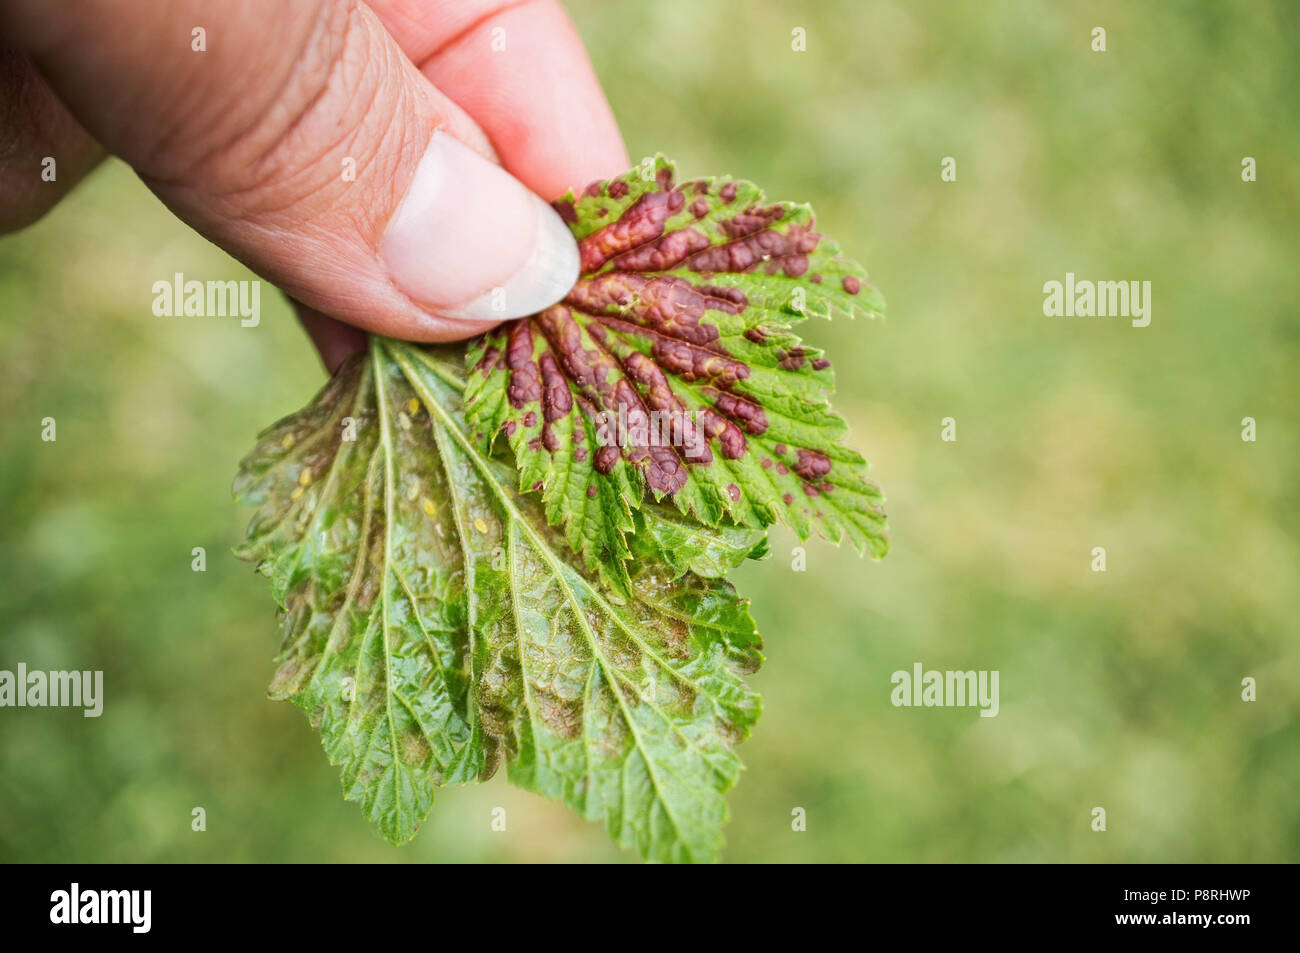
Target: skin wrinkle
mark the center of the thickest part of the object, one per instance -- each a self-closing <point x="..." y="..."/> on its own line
<point x="337" y="62"/>
<point x="250" y="95"/>
<point x="355" y="142"/>
<point x="258" y="171"/>
<point x="482" y="21"/>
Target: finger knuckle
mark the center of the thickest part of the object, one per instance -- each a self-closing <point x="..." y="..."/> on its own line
<point x="330" y="106"/>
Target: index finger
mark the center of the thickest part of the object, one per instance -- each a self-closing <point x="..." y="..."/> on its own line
<point x="521" y="72"/>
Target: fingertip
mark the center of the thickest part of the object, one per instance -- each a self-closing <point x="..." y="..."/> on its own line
<point x="536" y="96"/>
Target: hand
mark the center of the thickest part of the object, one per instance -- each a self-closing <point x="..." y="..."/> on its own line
<point x="381" y="163"/>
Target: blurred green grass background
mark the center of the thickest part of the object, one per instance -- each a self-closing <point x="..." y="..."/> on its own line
<point x="1119" y="690"/>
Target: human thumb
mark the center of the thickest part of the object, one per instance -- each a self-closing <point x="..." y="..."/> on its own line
<point x="297" y="136"/>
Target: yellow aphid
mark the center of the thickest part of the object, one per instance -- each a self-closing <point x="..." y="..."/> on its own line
<point x="429" y="507"/>
<point x="414" y="406"/>
<point x="480" y="526"/>
<point x="413" y="491"/>
<point x="287" y="442"/>
<point x="305" y="478"/>
<point x="403" y="421"/>
<point x="297" y="492"/>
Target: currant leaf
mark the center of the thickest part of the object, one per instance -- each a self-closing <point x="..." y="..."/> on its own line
<point x="671" y="368"/>
<point x="436" y="625"/>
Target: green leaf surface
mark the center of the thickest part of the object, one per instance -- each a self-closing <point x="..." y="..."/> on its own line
<point x="436" y="624"/>
<point x="671" y="367"/>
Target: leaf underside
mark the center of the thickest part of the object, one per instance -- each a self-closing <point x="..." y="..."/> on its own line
<point x="671" y="367"/>
<point x="563" y="611"/>
<point x="436" y="625"/>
